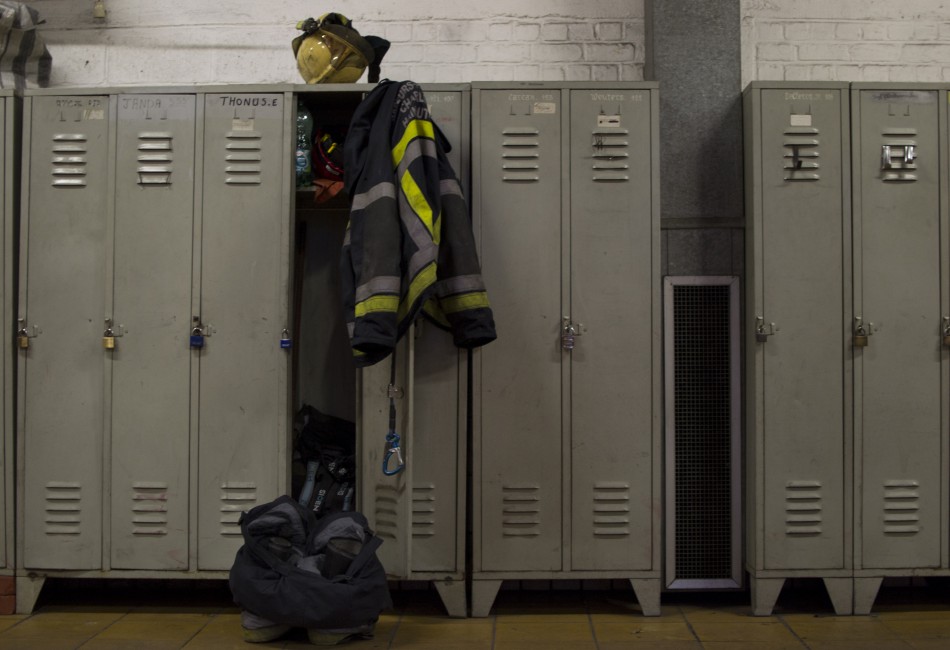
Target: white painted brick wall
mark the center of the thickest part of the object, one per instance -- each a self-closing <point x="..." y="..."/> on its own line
<point x="845" y="40"/>
<point x="248" y="41"/>
<point x="148" y="42"/>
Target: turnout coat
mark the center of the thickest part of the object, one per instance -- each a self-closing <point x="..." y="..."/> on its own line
<point x="409" y="247"/>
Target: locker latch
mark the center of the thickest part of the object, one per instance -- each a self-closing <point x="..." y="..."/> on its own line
<point x="905" y="154"/>
<point x="198" y="333"/>
<point x="25" y="333"/>
<point x="861" y="332"/>
<point x="764" y="330"/>
<point x="110" y="334"/>
<point x="569" y="332"/>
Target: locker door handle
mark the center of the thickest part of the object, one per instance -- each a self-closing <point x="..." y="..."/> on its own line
<point x="764" y="330"/>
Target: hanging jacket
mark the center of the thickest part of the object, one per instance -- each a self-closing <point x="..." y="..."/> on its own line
<point x="409" y="247"/>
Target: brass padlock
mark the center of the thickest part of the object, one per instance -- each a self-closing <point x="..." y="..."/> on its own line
<point x="108" y="340"/>
<point x="860" y="337"/>
<point x="23" y="341"/>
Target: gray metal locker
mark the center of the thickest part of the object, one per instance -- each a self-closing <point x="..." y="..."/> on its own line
<point x="151" y="306"/>
<point x="901" y="297"/>
<point x="10" y="115"/>
<point x="566" y="416"/>
<point x="66" y="211"/>
<point x="244" y="308"/>
<point x="420" y="512"/>
<point x="798" y="295"/>
<point x="154" y="404"/>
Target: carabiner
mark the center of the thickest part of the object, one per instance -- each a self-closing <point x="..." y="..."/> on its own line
<point x="392" y="439"/>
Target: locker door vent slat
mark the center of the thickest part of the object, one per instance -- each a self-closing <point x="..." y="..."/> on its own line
<point x="610" y="147"/>
<point x="521" y="512"/>
<point x="703" y="481"/>
<point x="243" y="158"/>
<point x="387" y="511"/>
<point x="424" y="510"/>
<point x="901" y="507"/>
<point x="68" y="163"/>
<point x="236" y="497"/>
<point x="801" y="155"/>
<point x="803" y="508"/>
<point x="155" y="159"/>
<point x="520" y="143"/>
<point x="611" y="509"/>
<point x="63" y="508"/>
<point x="149" y="508"/>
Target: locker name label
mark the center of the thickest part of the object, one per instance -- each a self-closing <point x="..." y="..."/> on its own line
<point x="268" y="101"/>
<point x="90" y="102"/>
<point x="795" y="96"/>
<point x="905" y="96"/>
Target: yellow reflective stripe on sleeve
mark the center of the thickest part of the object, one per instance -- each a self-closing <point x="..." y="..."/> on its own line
<point x="418" y="202"/>
<point x="423" y="280"/>
<point x="453" y="304"/>
<point x="415" y="129"/>
<point x="376" y="304"/>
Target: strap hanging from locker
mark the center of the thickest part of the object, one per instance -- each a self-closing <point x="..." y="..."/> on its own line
<point x="392" y="438"/>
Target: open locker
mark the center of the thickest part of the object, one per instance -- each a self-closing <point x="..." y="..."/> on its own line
<point x="420" y="511"/>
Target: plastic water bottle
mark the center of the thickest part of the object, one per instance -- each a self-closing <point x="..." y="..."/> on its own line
<point x="304" y="142"/>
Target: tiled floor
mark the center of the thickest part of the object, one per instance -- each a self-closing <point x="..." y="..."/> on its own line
<point x="150" y="615"/>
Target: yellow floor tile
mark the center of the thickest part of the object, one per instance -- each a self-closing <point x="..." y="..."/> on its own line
<point x="52" y="630"/>
<point x="448" y="633"/>
<point x="794" y="644"/>
<point x="752" y="630"/>
<point x="644" y="630"/>
<point x="920" y="628"/>
<point x="146" y="631"/>
<point x="557" y="634"/>
<point x="652" y="645"/>
<point x="6" y="622"/>
<point x="572" y="617"/>
<point x="222" y="633"/>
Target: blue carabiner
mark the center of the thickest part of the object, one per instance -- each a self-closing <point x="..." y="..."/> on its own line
<point x="392" y="440"/>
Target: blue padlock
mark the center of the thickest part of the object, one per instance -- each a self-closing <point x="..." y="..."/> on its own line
<point x="285" y="342"/>
<point x="197" y="339"/>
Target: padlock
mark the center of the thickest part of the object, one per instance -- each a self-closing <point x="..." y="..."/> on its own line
<point x="108" y="339"/>
<point x="23" y="341"/>
<point x="285" y="342"/>
<point x="197" y="339"/>
<point x="860" y="337"/>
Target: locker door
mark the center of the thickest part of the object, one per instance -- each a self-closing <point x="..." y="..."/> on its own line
<point x="154" y="216"/>
<point x="612" y="308"/>
<point x="520" y="391"/>
<point x="435" y="432"/>
<point x="243" y="371"/>
<point x="802" y="238"/>
<point x="897" y="177"/>
<point x="6" y="220"/>
<point x="63" y="298"/>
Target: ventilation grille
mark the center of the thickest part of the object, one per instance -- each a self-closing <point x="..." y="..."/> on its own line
<point x="243" y="158"/>
<point x="901" y="507"/>
<point x="520" y="154"/>
<point x="803" y="508"/>
<point x="150" y="508"/>
<point x="63" y="508"/>
<point x="423" y="510"/>
<point x="69" y="160"/>
<point x="609" y="162"/>
<point x="801" y="153"/>
<point x="611" y="509"/>
<point x="236" y="497"/>
<point x="702" y="432"/>
<point x="154" y="158"/>
<point x="387" y="511"/>
<point x="521" y="512"/>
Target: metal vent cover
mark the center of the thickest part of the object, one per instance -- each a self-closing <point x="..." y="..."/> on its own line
<point x="702" y="404"/>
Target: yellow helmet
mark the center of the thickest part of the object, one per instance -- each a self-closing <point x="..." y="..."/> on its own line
<point x="330" y="50"/>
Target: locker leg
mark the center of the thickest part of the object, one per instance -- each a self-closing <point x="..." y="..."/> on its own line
<point x="483" y="595"/>
<point x="27" y="591"/>
<point x="841" y="591"/>
<point x="765" y="592"/>
<point x="648" y="595"/>
<point x="452" y="593"/>
<point x="865" y="591"/>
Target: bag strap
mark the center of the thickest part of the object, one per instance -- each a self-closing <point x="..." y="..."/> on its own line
<point x="368" y="551"/>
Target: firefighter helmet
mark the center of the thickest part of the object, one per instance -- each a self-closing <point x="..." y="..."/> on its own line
<point x="331" y="51"/>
